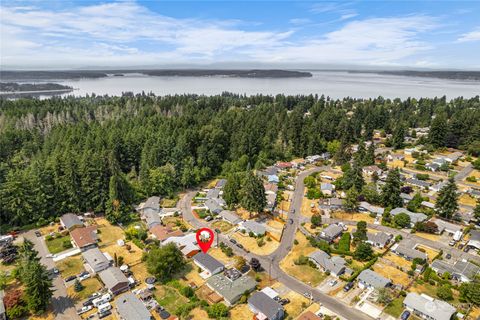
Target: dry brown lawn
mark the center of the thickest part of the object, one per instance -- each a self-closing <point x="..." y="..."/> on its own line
<point x="251" y="244"/>
<point x="467" y="200"/>
<point x="224" y="226"/>
<point x="108" y="233"/>
<point x="47" y="229"/>
<point x="396" y="164"/>
<point x="173" y="222"/>
<point x="220" y="256"/>
<point x="91" y="285"/>
<point x="294" y="308"/>
<point x="303" y="273"/>
<point x="306" y="209"/>
<point x="353" y="216"/>
<point x="244" y="214"/>
<point x="431" y="253"/>
<point x="70" y="266"/>
<point x="475" y="313"/>
<point x="429" y="236"/>
<point x="397" y="260"/>
<point x="241" y="312"/>
<point x="193" y="276"/>
<point x="392" y="273"/>
<point x="276" y="224"/>
<point x="198" y="314"/>
<point x="48" y="315"/>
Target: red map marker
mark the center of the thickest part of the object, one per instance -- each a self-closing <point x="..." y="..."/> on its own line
<point x="204" y="239"/>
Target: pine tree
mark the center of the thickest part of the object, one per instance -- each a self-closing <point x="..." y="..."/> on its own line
<point x="369" y="158"/>
<point x="38" y="287"/>
<point x="438" y="131"/>
<point x="447" y="201"/>
<point x="231" y="191"/>
<point x="398" y="137"/>
<point x="78" y="286"/>
<point x="476" y="211"/>
<point x="351" y="201"/>
<point x="391" y="190"/>
<point x="253" y="194"/>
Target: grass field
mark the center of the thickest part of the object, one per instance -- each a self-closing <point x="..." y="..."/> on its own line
<point x="220" y="256"/>
<point x="251" y="244"/>
<point x="198" y="314"/>
<point x="91" y="285"/>
<point x="306" y="209"/>
<point x="303" y="273"/>
<point x="467" y="200"/>
<point x="241" y="312"/>
<point x="353" y="217"/>
<point x="169" y="298"/>
<point x="56" y="245"/>
<point x="429" y="236"/>
<point x="395" y="307"/>
<point x="224" y="226"/>
<point x="168" y="203"/>
<point x="70" y="266"/>
<point x="397" y="276"/>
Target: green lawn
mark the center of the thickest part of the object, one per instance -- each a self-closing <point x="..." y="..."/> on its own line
<point x="169" y="298"/>
<point x="91" y="285"/>
<point x="395" y="307"/>
<point x="56" y="245"/>
<point x="70" y="266"/>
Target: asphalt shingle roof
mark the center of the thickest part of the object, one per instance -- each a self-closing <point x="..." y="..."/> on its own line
<point x="131" y="308"/>
<point x="266" y="305"/>
<point x="435" y="309"/>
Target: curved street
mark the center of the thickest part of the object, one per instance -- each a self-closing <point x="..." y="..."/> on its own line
<point x="271" y="262"/>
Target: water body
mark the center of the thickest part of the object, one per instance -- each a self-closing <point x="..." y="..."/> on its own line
<point x="335" y="84"/>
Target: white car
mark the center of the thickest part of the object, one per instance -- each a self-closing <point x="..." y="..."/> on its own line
<point x="84" y="309"/>
<point x="84" y="277"/>
<point x="332" y="283"/>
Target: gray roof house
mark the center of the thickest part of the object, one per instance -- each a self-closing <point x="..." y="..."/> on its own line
<point x="129" y="307"/>
<point x="474" y="239"/>
<point x="336" y="265"/>
<point x="70" y="221"/>
<point x="331" y="232"/>
<point x="253" y="226"/>
<point x="230" y="217"/>
<point x="414" y="216"/>
<point x="213" y="193"/>
<point x="95" y="260"/>
<point x="408" y="253"/>
<point x="260" y="303"/>
<point x="114" y="280"/>
<point x="370" y="279"/>
<point x="406" y="197"/>
<point x="418" y="183"/>
<point x="152" y="204"/>
<point x="207" y="263"/>
<point x="327" y="188"/>
<point x="428" y="307"/>
<point x="214" y="206"/>
<point x="231" y="285"/>
<point x="379" y="240"/>
<point x="438" y="186"/>
<point x="151" y="219"/>
<point x="446" y="226"/>
<point x="365" y="206"/>
<point x="463" y="271"/>
<point x="432" y="166"/>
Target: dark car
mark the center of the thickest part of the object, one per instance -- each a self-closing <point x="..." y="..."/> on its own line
<point x="38" y="234"/>
<point x="233" y="241"/>
<point x="290" y="221"/>
<point x="405" y="315"/>
<point x="348" y="286"/>
<point x="67" y="279"/>
<point x="104" y="314"/>
<point x="460" y="246"/>
<point x="284" y="301"/>
<point x="87" y="303"/>
<point x="448" y="256"/>
<point x="84" y="273"/>
<point x="466" y="249"/>
<point x="239" y="245"/>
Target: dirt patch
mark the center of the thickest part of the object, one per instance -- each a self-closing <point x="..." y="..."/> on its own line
<point x="303" y="273"/>
<point x="353" y="216"/>
<point x="431" y="253"/>
<point x="198" y="314"/>
<point x="398" y="261"/>
<point x="251" y="244"/>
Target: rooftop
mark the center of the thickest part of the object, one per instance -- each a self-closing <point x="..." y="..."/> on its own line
<point x="373" y="279"/>
<point x="435" y="309"/>
<point x="70" y="220"/>
<point x="112" y="276"/>
<point x="266" y="305"/>
<point x="131" y="308"/>
<point x="94" y="257"/>
<point x="84" y="236"/>
<point x="207" y="261"/>
<point x="162" y="233"/>
<point x="231" y="289"/>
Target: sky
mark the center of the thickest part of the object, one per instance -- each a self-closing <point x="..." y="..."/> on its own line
<point x="55" y="34"/>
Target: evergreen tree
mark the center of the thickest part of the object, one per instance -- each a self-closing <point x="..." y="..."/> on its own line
<point x="361" y="233"/>
<point x="398" y="137"/>
<point x="447" y="200"/>
<point x="438" y="131"/>
<point x="38" y="287"/>
<point x="350" y="203"/>
<point x="231" y="191"/>
<point x="391" y="190"/>
<point x="476" y="211"/>
<point x="369" y="158"/>
<point x="78" y="286"/>
<point x="363" y="252"/>
<point x="253" y="194"/>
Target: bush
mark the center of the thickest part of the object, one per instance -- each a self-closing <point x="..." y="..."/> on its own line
<point x="66" y="244"/>
<point x="295" y="242"/>
<point x="260" y="242"/>
<point x="17" y="312"/>
<point x="302" y="260"/>
<point x="48" y="238"/>
<point x="187" y="292"/>
<point x="217" y="311"/>
<point x="471" y="179"/>
<point x="445" y="292"/>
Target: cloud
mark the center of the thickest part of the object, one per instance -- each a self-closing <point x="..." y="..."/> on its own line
<point x="323" y="7"/>
<point x="470" y="36"/>
<point x="300" y="21"/>
<point x="126" y="33"/>
<point x="348" y="16"/>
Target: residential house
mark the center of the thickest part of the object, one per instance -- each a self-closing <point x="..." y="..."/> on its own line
<point x="335" y="265"/>
<point x="463" y="270"/>
<point x="414" y="216"/>
<point x="379" y="240"/>
<point x="114" y="280"/>
<point x="396" y="157"/>
<point x="252" y="226"/>
<point x="271" y="190"/>
<point x="129" y="307"/>
<point x="370" y="279"/>
<point x="331" y="203"/>
<point x="162" y="233"/>
<point x="231" y="285"/>
<point x="314" y="158"/>
<point x="331" y="233"/>
<point x="84" y="238"/>
<point x="454" y="156"/>
<point x="268" y="171"/>
<point x="475" y="193"/>
<point x="208" y="264"/>
<point x="427" y="307"/>
<point x="214" y="206"/>
<point x="370" y="170"/>
<point x="427" y="204"/>
<point x="152" y="204"/>
<point x="418" y="183"/>
<point x="327" y="188"/>
<point x="230" y="216"/>
<point x="474" y="241"/>
<point x="220" y="183"/>
<point x="308" y="315"/>
<point x="95" y="260"/>
<point x="273" y="178"/>
<point x="213" y="193"/>
<point x="440" y="161"/>
<point x="432" y="166"/>
<point x="151" y="219"/>
<point x="70" y="221"/>
<point x="367" y="207"/>
<point x="406" y="197"/>
<point x="448" y="227"/>
<point x="284" y="165"/>
<point x="270" y="292"/>
<point x="438" y="186"/>
<point x="187" y="244"/>
<point x="408" y="252"/>
<point x="265" y="307"/>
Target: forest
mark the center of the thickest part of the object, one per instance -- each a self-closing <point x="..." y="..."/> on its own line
<point x="105" y="154"/>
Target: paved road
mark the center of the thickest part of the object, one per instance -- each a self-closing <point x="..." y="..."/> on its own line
<point x="63" y="306"/>
<point x="271" y="262"/>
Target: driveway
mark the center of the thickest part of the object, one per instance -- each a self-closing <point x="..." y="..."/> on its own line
<point x="63" y="306"/>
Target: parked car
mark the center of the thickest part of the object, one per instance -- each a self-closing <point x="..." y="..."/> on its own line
<point x="348" y="286"/>
<point x="240" y="245"/>
<point x="102" y="315"/>
<point x="307" y="295"/>
<point x="55" y="271"/>
<point x="84" y="309"/>
<point x="331" y="283"/>
<point x="70" y="278"/>
<point x="84" y="277"/>
<point x="405" y="315"/>
<point x="460" y="246"/>
<point x="38" y="234"/>
<point x="284" y="301"/>
<point x="208" y="218"/>
<point x="233" y="241"/>
<point x="448" y="256"/>
<point x="452" y="243"/>
<point x="290" y="221"/>
<point x="84" y="273"/>
<point x="466" y="249"/>
<point x="87" y="303"/>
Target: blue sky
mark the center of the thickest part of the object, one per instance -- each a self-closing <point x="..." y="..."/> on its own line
<point x="296" y="34"/>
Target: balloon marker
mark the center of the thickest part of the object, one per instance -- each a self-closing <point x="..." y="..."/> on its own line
<point x="205" y="239"/>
